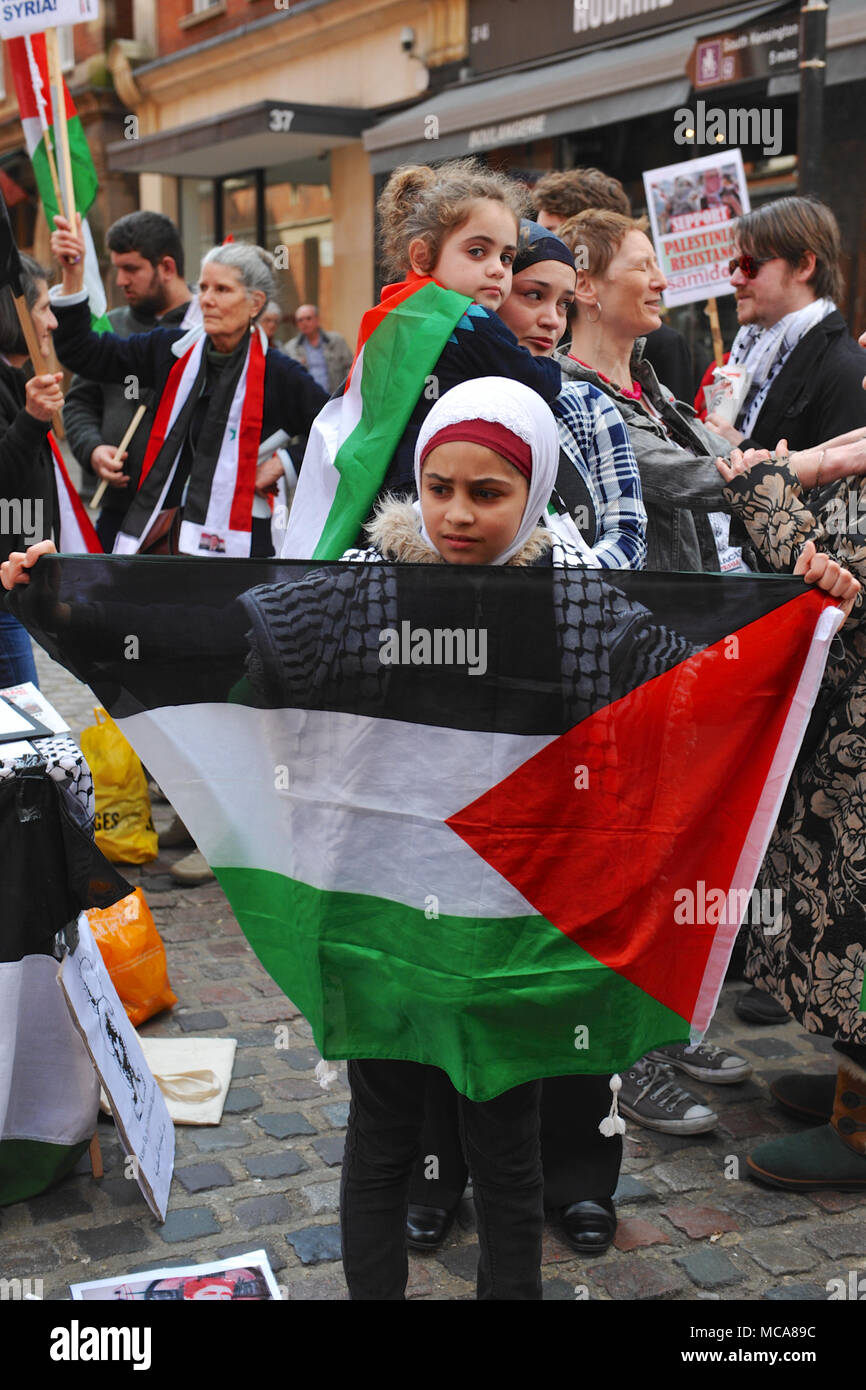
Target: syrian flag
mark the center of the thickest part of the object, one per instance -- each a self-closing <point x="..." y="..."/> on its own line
<point x="504" y="823"/>
<point x="77" y="535"/>
<point x="30" y="72"/>
<point x="354" y="436"/>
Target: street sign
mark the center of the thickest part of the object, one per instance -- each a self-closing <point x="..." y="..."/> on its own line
<point x="19" y="17"/>
<point x="767" y="47"/>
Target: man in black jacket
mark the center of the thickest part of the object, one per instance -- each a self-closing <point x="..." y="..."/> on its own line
<point x="148" y="259"/>
<point x="805" y="369"/>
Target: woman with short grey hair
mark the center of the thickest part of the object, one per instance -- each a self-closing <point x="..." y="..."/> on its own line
<point x="221" y="393"/>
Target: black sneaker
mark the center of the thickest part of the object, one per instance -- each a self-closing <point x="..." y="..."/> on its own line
<point x="651" y="1097"/>
<point x="704" y="1062"/>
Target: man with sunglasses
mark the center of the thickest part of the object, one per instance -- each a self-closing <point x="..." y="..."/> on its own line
<point x="805" y="368"/>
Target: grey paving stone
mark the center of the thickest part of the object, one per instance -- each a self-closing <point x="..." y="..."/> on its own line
<point x="247" y="1065"/>
<point x="767" y="1047"/>
<point x="245" y="1247"/>
<point x="189" y="1224"/>
<point x="322" y="1196"/>
<point x="256" y="1037"/>
<point x="296" y="1088"/>
<point x="635" y="1278"/>
<point x="764" y="1208"/>
<point x="775" y="1252"/>
<point x="279" y="1165"/>
<point x="821" y="1044"/>
<point x="211" y="1140"/>
<point x="838" y="1240"/>
<point x="58" y="1203"/>
<point x="122" y="1192"/>
<point x="688" y="1174"/>
<point x="299" y="1058"/>
<point x="797" y="1293"/>
<point x="315" y="1244"/>
<point x="100" y="1242"/>
<point x="330" y="1149"/>
<point x="261" y="1211"/>
<point x="557" y="1290"/>
<point x="337" y="1113"/>
<point x="631" y="1189"/>
<point x="208" y="1021"/>
<point x="28" y="1259"/>
<point x="709" y="1269"/>
<point x="204" y="1176"/>
<point x="280" y="1126"/>
<point x="241" y="1098"/>
<point x="461" y="1261"/>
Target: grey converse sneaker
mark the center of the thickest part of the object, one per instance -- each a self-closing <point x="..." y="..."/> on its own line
<point x="651" y="1097"/>
<point x="704" y="1062"/>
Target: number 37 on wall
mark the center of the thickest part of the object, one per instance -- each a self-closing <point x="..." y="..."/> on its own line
<point x="281" y="118"/>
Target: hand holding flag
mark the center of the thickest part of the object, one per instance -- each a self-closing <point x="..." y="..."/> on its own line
<point x="67" y="248"/>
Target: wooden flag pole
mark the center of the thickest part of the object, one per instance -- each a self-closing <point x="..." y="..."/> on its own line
<point x="712" y="312"/>
<point x="39" y="95"/>
<point x="34" y="352"/>
<point x="123" y="445"/>
<point x="61" y="130"/>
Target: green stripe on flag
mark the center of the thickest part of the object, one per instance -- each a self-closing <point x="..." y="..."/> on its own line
<point x="28" y="1166"/>
<point x="398" y="358"/>
<point x="535" y="1014"/>
<point x="84" y="177"/>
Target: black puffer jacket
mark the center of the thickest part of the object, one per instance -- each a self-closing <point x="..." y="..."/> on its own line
<point x="28" y="499"/>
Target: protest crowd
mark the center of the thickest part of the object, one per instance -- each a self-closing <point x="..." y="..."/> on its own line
<point x="516" y="408"/>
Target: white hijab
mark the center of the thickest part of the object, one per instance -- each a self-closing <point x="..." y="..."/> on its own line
<point x="520" y="410"/>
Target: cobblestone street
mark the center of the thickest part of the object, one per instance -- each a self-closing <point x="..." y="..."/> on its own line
<point x="692" y="1225"/>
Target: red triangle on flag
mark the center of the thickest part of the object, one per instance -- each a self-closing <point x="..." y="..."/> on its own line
<point x="608" y="827"/>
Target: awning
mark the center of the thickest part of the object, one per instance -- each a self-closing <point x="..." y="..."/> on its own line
<point x="270" y="132"/>
<point x="582" y="93"/>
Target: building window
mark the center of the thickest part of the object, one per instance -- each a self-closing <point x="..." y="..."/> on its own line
<point x="199" y="6"/>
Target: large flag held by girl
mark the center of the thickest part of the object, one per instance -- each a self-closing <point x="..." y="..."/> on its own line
<point x="502" y="822"/>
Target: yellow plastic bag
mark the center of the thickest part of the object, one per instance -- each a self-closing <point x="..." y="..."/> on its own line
<point x="134" y="956"/>
<point x="124" y="828"/>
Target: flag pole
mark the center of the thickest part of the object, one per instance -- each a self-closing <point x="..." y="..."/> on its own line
<point x="11" y="275"/>
<point x="712" y="312"/>
<point x="41" y="106"/>
<point x="58" y="110"/>
<point x="124" y="444"/>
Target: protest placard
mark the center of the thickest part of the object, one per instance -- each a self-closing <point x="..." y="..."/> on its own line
<point x="693" y="207"/>
<point x="19" y="17"/>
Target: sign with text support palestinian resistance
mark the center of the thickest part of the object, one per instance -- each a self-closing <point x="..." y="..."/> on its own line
<point x="503" y="822"/>
<point x="19" y="17"/>
<point x="693" y="208"/>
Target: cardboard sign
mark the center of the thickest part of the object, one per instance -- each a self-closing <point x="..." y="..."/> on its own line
<point x="140" y="1113"/>
<point x="19" y="17"/>
<point x="693" y="208"/>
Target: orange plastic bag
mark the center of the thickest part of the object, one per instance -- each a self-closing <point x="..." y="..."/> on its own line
<point x="124" y="829"/>
<point x="134" y="956"/>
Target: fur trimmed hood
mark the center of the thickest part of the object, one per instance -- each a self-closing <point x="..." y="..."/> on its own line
<point x="394" y="531"/>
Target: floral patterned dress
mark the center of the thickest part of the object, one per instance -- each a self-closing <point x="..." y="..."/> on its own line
<point x="815" y="964"/>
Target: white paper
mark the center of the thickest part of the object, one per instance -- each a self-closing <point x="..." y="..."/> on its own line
<point x="29" y="698"/>
<point x="189" y="1283"/>
<point x="35" y="16"/>
<point x="140" y="1113"/>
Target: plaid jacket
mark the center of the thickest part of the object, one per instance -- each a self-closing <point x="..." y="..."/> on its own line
<point x="593" y="435"/>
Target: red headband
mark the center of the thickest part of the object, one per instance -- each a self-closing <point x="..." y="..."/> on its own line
<point x="492" y="435"/>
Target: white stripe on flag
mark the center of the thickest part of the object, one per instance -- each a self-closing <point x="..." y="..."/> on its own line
<point x="319" y="478"/>
<point x="365" y="807"/>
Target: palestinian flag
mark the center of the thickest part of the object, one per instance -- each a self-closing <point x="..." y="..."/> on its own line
<point x="77" y="534"/>
<point x="30" y="72"/>
<point x="354" y="436"/>
<point x="502" y="822"/>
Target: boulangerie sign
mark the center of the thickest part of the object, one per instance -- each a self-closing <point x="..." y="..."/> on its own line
<point x="19" y="17"/>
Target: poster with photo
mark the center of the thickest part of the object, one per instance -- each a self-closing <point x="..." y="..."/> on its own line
<point x="143" y="1122"/>
<point x="245" y="1278"/>
<point x="692" y="209"/>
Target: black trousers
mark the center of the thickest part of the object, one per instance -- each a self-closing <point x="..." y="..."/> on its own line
<point x="578" y="1163"/>
<point x="501" y="1140"/>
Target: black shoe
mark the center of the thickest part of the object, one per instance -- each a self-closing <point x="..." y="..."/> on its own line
<point x="757" y="1007"/>
<point x="428" y="1227"/>
<point x="589" y="1227"/>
